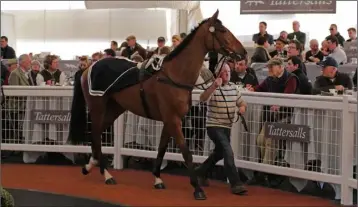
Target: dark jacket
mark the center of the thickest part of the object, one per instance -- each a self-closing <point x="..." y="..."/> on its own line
<point x="355" y="79"/>
<point x="324" y="84"/>
<point x="269" y="38"/>
<point x="274" y="53"/>
<point x="49" y="76"/>
<point x="8" y="53"/>
<point x="319" y="55"/>
<point x="305" y="86"/>
<point x="260" y="55"/>
<point x="300" y="36"/>
<point x="339" y="37"/>
<point x="128" y="52"/>
<point x="249" y="78"/>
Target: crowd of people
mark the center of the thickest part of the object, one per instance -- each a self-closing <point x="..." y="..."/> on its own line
<point x="234" y="73"/>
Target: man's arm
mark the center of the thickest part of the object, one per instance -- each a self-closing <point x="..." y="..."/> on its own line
<point x="291" y="85"/>
<point x="207" y="93"/>
<point x="262" y="87"/>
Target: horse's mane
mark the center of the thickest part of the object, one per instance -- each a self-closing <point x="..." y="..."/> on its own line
<point x="185" y="42"/>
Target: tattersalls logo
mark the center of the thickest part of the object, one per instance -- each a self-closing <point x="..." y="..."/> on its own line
<point x="50" y="117"/>
<point x="289" y="132"/>
<point x="287" y="6"/>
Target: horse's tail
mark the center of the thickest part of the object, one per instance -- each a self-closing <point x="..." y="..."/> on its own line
<point x="78" y="123"/>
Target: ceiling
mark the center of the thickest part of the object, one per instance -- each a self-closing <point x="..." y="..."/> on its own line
<point x="185" y="5"/>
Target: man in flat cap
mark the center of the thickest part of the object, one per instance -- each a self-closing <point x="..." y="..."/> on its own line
<point x="133" y="48"/>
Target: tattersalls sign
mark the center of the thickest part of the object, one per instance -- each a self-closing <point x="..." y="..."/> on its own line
<point x="287" y="6"/>
<point x="289" y="132"/>
<point x="50" y="117"/>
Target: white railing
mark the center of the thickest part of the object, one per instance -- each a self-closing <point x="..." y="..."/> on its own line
<point x="332" y="122"/>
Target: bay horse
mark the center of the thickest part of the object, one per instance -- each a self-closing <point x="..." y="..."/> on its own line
<point x="167" y="95"/>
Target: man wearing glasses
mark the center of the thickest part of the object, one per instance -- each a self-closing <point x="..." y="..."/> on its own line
<point x="334" y="32"/>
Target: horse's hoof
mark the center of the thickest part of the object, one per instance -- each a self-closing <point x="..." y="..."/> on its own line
<point x="159" y="186"/>
<point x="199" y="195"/>
<point x="85" y="171"/>
<point x="111" y="181"/>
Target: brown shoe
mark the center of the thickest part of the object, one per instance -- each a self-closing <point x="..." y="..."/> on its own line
<point x="238" y="190"/>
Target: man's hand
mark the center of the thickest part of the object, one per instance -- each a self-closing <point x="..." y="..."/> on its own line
<point x="249" y="87"/>
<point x="218" y="82"/>
<point x="275" y="108"/>
<point x="242" y="110"/>
<point x="339" y="88"/>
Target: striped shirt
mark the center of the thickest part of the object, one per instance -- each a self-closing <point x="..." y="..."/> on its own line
<point x="221" y="111"/>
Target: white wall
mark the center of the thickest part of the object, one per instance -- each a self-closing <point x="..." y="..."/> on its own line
<point x="315" y="24"/>
<point x="8" y="28"/>
<point x="81" y="32"/>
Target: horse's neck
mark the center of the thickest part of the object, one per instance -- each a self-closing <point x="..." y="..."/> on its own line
<point x="185" y="68"/>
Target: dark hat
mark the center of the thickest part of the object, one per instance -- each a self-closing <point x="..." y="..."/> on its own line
<point x="328" y="61"/>
<point x="161" y="39"/>
<point x="281" y="40"/>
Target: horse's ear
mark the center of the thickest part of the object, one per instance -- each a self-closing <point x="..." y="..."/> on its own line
<point x="215" y="16"/>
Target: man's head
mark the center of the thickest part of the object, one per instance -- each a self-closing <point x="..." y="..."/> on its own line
<point x="161" y="42"/>
<point x="114" y="45"/>
<point x="4" y="41"/>
<point x="25" y="61"/>
<point x="280" y="44"/>
<point x="262" y="41"/>
<point x="51" y="62"/>
<point x="314" y="45"/>
<point x="131" y="41"/>
<point x="224" y="73"/>
<point x="284" y="35"/>
<point x="241" y="66"/>
<point x="333" y="29"/>
<point x="276" y="67"/>
<point x="109" y="53"/>
<point x="332" y="42"/>
<point x="352" y="33"/>
<point x="296" y="26"/>
<point x="262" y="27"/>
<point x="96" y="56"/>
<point x="294" y="48"/>
<point x="12" y="63"/>
<point x="293" y="63"/>
<point x="329" y="67"/>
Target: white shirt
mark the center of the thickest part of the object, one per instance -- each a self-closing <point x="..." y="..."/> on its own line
<point x="40" y="78"/>
<point x="339" y="55"/>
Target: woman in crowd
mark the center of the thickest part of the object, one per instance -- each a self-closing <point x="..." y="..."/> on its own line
<point x="176" y="40"/>
<point x="324" y="48"/>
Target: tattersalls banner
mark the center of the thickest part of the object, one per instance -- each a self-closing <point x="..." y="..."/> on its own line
<point x="287" y="6"/>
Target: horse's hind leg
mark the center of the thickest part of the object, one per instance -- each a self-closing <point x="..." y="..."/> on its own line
<point x="163" y="145"/>
<point x="174" y="128"/>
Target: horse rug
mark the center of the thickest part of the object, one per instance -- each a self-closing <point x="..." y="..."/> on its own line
<point x="111" y="75"/>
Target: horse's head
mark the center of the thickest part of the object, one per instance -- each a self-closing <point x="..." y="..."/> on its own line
<point x="221" y="40"/>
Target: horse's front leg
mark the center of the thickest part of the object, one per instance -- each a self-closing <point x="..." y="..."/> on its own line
<point x="174" y="128"/>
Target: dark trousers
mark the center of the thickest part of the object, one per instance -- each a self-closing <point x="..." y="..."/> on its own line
<point x="221" y="138"/>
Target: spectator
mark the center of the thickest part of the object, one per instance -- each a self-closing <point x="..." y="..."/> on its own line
<point x="114" y="45"/>
<point x="281" y="81"/>
<point x="314" y="55"/>
<point x="261" y="54"/>
<point x="223" y="97"/>
<point x="36" y="67"/>
<point x="331" y="78"/>
<point x="183" y="35"/>
<point x="295" y="49"/>
<point x="352" y="33"/>
<point x="336" y="51"/>
<point x="51" y="75"/>
<point x="7" y="52"/>
<point x="20" y="76"/>
<point x="283" y="36"/>
<point x="294" y="66"/>
<point x="280" y="49"/>
<point x="96" y="56"/>
<point x="297" y="34"/>
<point x="324" y="48"/>
<point x="335" y="33"/>
<point x="109" y="53"/>
<point x="160" y="43"/>
<point x="176" y="40"/>
<point x="262" y="33"/>
<point x="243" y="75"/>
<point x="133" y="48"/>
